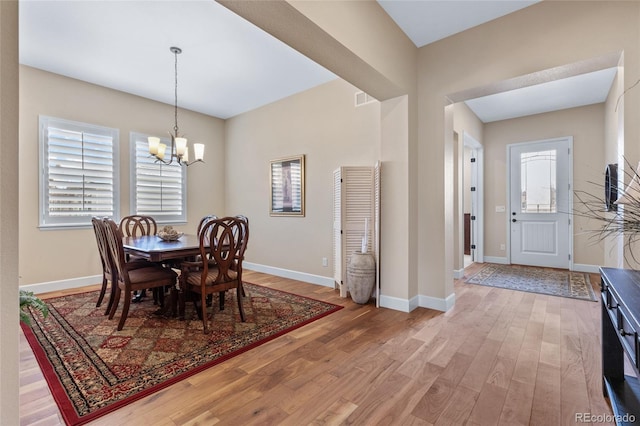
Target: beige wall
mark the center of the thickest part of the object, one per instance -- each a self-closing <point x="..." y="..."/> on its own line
<point x="325" y="126"/>
<point x="423" y="162"/>
<point x="53" y="255"/>
<point x="360" y="43"/>
<point x="539" y="37"/>
<point x="9" y="216"/>
<point x="586" y="125"/>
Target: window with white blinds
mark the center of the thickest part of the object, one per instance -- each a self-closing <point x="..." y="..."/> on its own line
<point x="157" y="189"/>
<point x="79" y="172"/>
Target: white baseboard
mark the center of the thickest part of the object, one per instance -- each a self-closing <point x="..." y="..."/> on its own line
<point x="403" y="305"/>
<point x="62" y="284"/>
<point x="45" y="287"/>
<point x="495" y="259"/>
<point x="437" y="303"/>
<point x="397" y="304"/>
<point x="593" y="269"/>
<point x="429" y="302"/>
<point x="294" y="275"/>
<point x="458" y="273"/>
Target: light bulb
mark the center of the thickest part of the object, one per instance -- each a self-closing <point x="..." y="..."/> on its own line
<point x="198" y="150"/>
<point x="161" y="150"/>
<point x="153" y="145"/>
<point x="181" y="144"/>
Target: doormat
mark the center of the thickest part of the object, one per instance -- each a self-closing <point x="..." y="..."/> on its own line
<point x="533" y="279"/>
<point x="93" y="369"/>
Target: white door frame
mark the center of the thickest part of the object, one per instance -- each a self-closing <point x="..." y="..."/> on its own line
<point x="477" y="196"/>
<point x="570" y="193"/>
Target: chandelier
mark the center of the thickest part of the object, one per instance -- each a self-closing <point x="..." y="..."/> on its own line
<point x="178" y="151"/>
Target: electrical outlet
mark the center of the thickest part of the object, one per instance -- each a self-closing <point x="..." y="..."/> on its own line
<point x="325" y="261"/>
<point x="502" y="247"/>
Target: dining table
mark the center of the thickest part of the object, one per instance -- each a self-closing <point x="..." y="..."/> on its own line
<point x="155" y="249"/>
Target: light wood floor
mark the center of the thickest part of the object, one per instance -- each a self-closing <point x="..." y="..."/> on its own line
<point x="498" y="357"/>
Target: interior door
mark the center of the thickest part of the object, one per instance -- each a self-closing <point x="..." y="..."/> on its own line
<point x="539" y="223"/>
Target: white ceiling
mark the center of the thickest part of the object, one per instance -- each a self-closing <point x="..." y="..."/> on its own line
<point x="229" y="66"/>
<point x="427" y="21"/>
<point x="580" y="90"/>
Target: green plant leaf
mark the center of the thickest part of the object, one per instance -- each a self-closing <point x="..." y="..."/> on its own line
<point x="28" y="299"/>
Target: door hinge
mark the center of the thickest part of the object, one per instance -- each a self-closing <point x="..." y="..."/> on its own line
<point x="473" y="160"/>
<point x="473" y="188"/>
<point x="473" y="218"/>
<point x="473" y="246"/>
<point x="569" y="257"/>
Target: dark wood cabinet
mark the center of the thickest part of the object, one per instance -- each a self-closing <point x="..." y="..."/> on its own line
<point x="620" y="327"/>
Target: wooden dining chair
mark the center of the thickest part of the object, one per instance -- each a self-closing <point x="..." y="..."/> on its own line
<point x="137" y="226"/>
<point x="244" y="221"/>
<point x="130" y="276"/>
<point x="109" y="277"/>
<point x="221" y="242"/>
<point x="202" y="222"/>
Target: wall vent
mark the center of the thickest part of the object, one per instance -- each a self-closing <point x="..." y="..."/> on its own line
<point x="364" y="98"/>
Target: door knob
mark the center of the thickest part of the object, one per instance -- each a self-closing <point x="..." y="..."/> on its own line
<point x="514" y="220"/>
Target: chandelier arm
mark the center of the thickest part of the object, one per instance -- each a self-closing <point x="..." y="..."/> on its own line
<point x="158" y="160"/>
<point x="191" y="162"/>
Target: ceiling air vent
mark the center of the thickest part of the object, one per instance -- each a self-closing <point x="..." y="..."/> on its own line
<point x="363" y="98"/>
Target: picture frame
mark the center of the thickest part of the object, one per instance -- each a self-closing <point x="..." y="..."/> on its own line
<point x="287" y="186"/>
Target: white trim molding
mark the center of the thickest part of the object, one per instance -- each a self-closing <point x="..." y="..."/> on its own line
<point x="45" y="287"/>
<point x="579" y="267"/>
<point x="419" y="301"/>
<point x="397" y="304"/>
<point x="495" y="259"/>
<point x="294" y="275"/>
<point x="438" y="303"/>
<point x="458" y="274"/>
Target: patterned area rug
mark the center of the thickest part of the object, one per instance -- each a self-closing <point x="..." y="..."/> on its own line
<point x="556" y="282"/>
<point x="93" y="369"/>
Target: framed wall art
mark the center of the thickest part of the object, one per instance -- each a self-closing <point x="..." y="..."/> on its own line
<point x="287" y="186"/>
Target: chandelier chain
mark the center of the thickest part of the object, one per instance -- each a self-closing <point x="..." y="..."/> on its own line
<point x="178" y="150"/>
<point x="175" y="128"/>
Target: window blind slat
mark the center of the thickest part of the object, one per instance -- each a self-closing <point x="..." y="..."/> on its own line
<point x="159" y="188"/>
<point x="79" y="176"/>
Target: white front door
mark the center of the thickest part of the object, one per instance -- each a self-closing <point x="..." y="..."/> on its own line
<point x="539" y="219"/>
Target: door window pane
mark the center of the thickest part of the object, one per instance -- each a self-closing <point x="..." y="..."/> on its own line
<point x="538" y="181"/>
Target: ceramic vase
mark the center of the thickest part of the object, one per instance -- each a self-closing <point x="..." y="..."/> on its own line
<point x="361" y="276"/>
